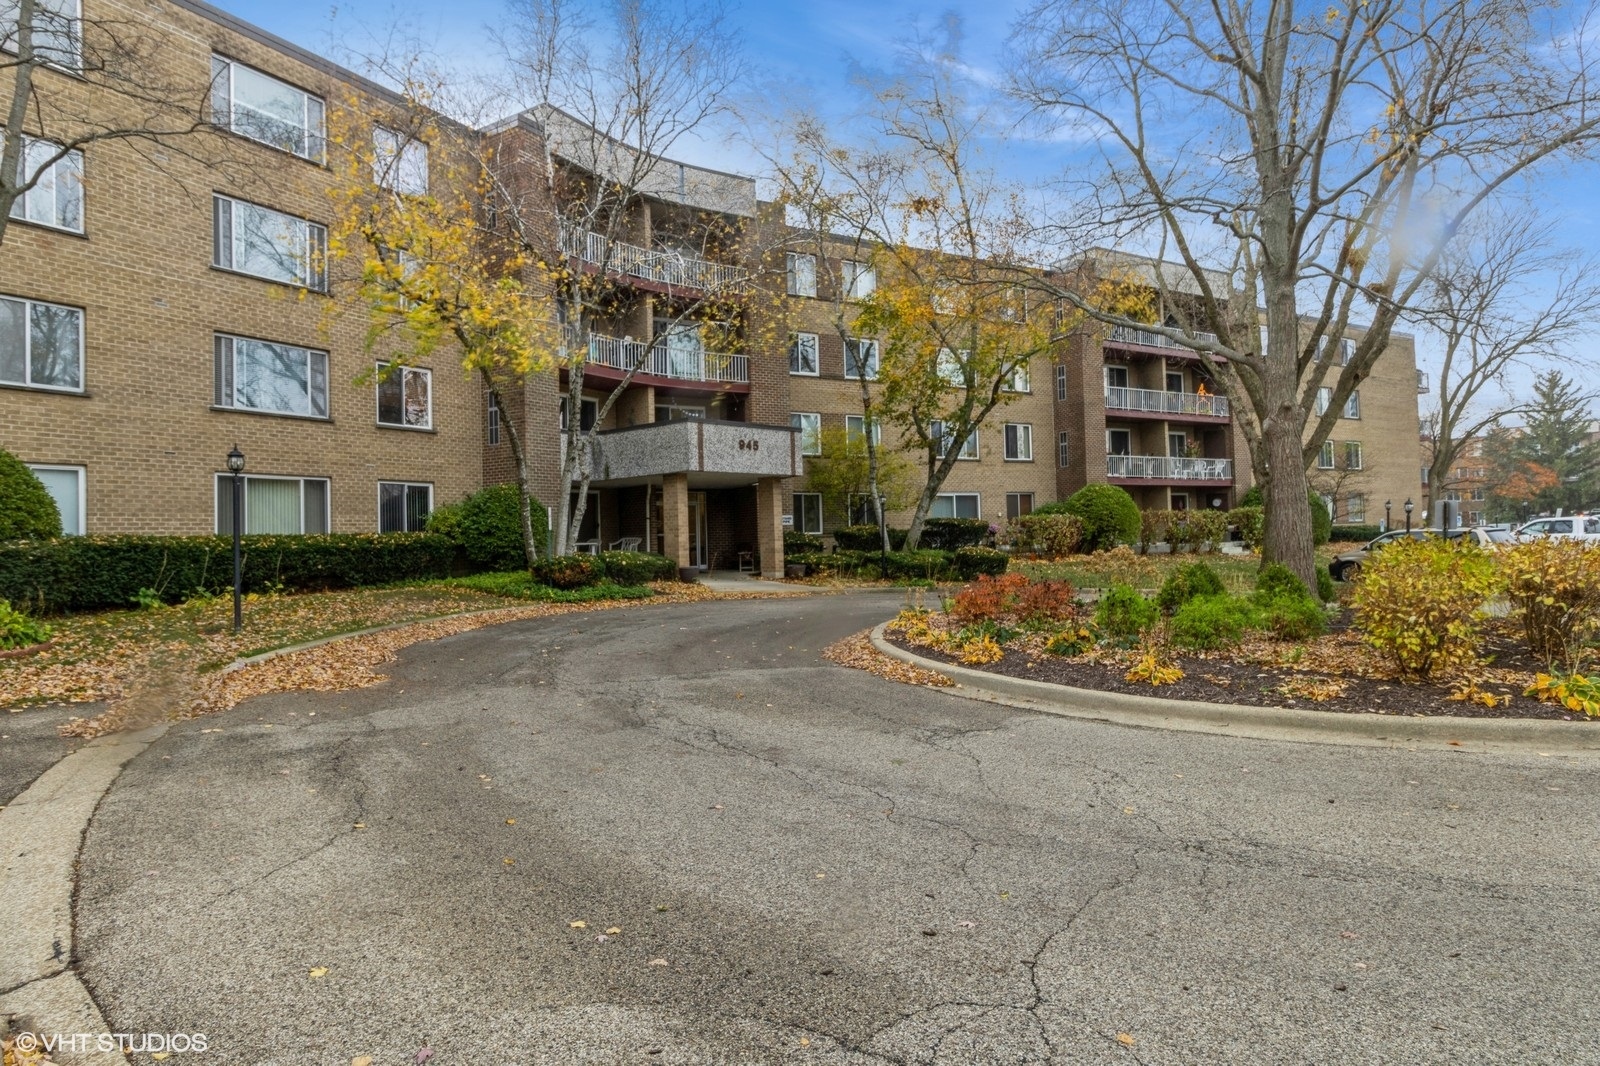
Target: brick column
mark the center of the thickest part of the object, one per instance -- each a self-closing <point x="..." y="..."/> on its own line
<point x="769" y="526"/>
<point x="675" y="517"/>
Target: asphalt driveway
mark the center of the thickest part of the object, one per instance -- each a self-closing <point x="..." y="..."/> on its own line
<point x="808" y="864"/>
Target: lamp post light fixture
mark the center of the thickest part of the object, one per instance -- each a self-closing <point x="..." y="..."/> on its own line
<point x="1408" y="505"/>
<point x="1386" y="523"/>
<point x="236" y="467"/>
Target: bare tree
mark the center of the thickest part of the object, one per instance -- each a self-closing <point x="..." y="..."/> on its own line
<point x="1496" y="310"/>
<point x="70" y="81"/>
<point x="1326" y="155"/>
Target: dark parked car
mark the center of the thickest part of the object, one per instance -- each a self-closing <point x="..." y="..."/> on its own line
<point x="1347" y="565"/>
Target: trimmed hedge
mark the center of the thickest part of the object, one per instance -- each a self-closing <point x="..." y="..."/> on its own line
<point x="949" y="534"/>
<point x="795" y="543"/>
<point x="971" y="562"/>
<point x="866" y="539"/>
<point x="637" y="568"/>
<point x="569" y="571"/>
<point x="1110" y="517"/>
<point x="84" y="573"/>
<point x="1361" y="533"/>
<point x="488" y="527"/>
<point x="26" y="508"/>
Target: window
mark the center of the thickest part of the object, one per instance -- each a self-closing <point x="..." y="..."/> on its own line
<point x="493" y="422"/>
<point x="1452" y="496"/>
<point x="1352" y="455"/>
<point x="57" y="31"/>
<point x="1116" y="377"/>
<point x="1174" y="381"/>
<point x="802" y="274"/>
<point x="859" y="510"/>
<point x="590" y="413"/>
<point x="1063" y="449"/>
<point x="405" y="397"/>
<point x="860" y="280"/>
<point x="1352" y="406"/>
<point x="275" y="504"/>
<point x="1347" y="352"/>
<point x="1424" y="475"/>
<point x="1355" y="509"/>
<point x="1019" y="441"/>
<point x="1330" y="503"/>
<point x="261" y="107"/>
<point x="946" y="437"/>
<point x="861" y="359"/>
<point x="403" y="507"/>
<point x="41" y="345"/>
<point x="65" y="484"/>
<point x="1474" y="518"/>
<point x="803" y="354"/>
<point x="399" y="163"/>
<point x="1478" y="495"/>
<point x="56" y="198"/>
<point x="810" y="427"/>
<point x="1019" y="380"/>
<point x="955" y="505"/>
<point x="951" y="369"/>
<point x="254" y="375"/>
<point x="1019" y="504"/>
<point x="808" y="512"/>
<point x="855" y="425"/>
<point x="1177" y="444"/>
<point x="268" y="244"/>
<point x="1325" y="457"/>
<point x="1119" y="442"/>
<point x="1324" y="399"/>
<point x="1061" y="382"/>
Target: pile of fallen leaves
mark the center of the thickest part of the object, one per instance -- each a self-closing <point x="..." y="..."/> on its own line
<point x="20" y="1049"/>
<point x="858" y="653"/>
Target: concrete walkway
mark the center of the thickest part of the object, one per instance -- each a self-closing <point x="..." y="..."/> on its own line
<point x="734" y="581"/>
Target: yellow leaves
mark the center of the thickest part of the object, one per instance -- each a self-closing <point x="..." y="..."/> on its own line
<point x="1126" y="1039"/>
<point x="361" y="1060"/>
<point x="511" y="821"/>
<point x="318" y="971"/>
<point x="1155" y="667"/>
<point x="1575" y="692"/>
<point x="981" y="650"/>
<point x="578" y="925"/>
<point x="614" y="930"/>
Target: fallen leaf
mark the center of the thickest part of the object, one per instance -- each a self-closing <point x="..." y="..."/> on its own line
<point x="657" y="962"/>
<point x="159" y="1055"/>
<point x="614" y="930"/>
<point x="361" y="1060"/>
<point x="577" y="925"/>
<point x="511" y="821"/>
<point x="1126" y="1039"/>
<point x="509" y="861"/>
<point x="1347" y="935"/>
<point x="601" y="938"/>
<point x="360" y="825"/>
<point x="319" y="971"/>
<point x="423" y="1055"/>
<point x="967" y="925"/>
<point x="821" y="876"/>
<point x="805" y="1041"/>
<point x="1127" y="810"/>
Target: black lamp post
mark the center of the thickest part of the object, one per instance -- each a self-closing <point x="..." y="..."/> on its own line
<point x="1387" y="525"/>
<point x="236" y="467"/>
<point x="1408" y="506"/>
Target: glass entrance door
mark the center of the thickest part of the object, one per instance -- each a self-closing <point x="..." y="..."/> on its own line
<point x="697" y="529"/>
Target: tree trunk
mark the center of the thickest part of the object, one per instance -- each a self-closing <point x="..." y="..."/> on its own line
<point x="924" y="504"/>
<point x="1288" y="535"/>
<point x="530" y="549"/>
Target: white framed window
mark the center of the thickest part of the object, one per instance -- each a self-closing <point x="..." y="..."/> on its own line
<point x="67" y="486"/>
<point x="1177" y="444"/>
<point x="856" y="425"/>
<point x="1063" y="449"/>
<point x="1352" y="406"/>
<point x="57" y="31"/>
<point x="263" y="108"/>
<point x="1355" y="508"/>
<point x="1352" y="455"/>
<point x="589" y="414"/>
<point x="492" y="424"/>
<point x="399" y="163"/>
<point x="1061" y="381"/>
<point x="860" y="279"/>
<point x="1325" y="457"/>
<point x="404" y="506"/>
<point x="1119" y="442"/>
<point x="275" y="504"/>
<point x="405" y="396"/>
<point x="41" y="345"/>
<point x="810" y="427"/>
<point x="1324" y="399"/>
<point x="56" y="198"/>
<point x="257" y="375"/>
<point x="1478" y="495"/>
<point x="803" y="354"/>
<point x="861" y="359"/>
<point x="808" y="512"/>
<point x="945" y="436"/>
<point x="949" y="367"/>
<point x="1116" y="377"/>
<point x="1019" y="504"/>
<point x="1347" y="351"/>
<point x="1019" y="441"/>
<point x="955" y="505"/>
<point x="250" y="239"/>
<point x="1019" y="380"/>
<point x="801" y="271"/>
<point x="1329" y="502"/>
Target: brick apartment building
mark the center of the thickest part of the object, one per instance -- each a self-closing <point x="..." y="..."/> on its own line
<point x="153" y="317"/>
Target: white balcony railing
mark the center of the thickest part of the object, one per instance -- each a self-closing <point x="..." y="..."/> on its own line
<point x="674" y="269"/>
<point x="1166" y="403"/>
<point x="669" y="359"/>
<point x="1169" y="468"/>
<point x="1154" y="340"/>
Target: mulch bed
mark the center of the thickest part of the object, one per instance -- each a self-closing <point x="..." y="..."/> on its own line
<point x="1334" y="673"/>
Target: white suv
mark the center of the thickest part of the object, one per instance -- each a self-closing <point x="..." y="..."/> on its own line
<point x="1568" y="527"/>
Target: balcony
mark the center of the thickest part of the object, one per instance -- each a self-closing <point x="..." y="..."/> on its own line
<point x="672" y="360"/>
<point x="1168" y="468"/>
<point x="670" y="270"/>
<point x="1147" y="339"/>
<point x="1154" y="401"/>
<point x="713" y="454"/>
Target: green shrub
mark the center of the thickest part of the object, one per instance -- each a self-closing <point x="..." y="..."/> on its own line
<point x="1124" y="614"/>
<point x="839" y="563"/>
<point x="1321" y="520"/>
<point x="1555" y="587"/>
<point x="1154" y="527"/>
<point x="921" y="563"/>
<point x="1056" y="533"/>
<point x="1208" y="529"/>
<point x="795" y="543"/>
<point x="1250" y="522"/>
<point x="1325" y="590"/>
<point x="1361" y="533"/>
<point x="971" y="562"/>
<point x="27" y="510"/>
<point x="637" y="568"/>
<point x="85" y="573"/>
<point x="1185" y="583"/>
<point x="1207" y="623"/>
<point x="1073" y="640"/>
<point x="866" y="539"/>
<point x="1109" y="515"/>
<point x="17" y="630"/>
<point x="950" y="534"/>
<point x="1276" y="580"/>
<point x="1054" y="507"/>
<point x="569" y="571"/>
<point x="488" y="527"/>
<point x="1287" y="617"/>
<point x="521" y="585"/>
<point x="1419" y="602"/>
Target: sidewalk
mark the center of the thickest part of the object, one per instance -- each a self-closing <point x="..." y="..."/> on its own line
<point x="739" y="583"/>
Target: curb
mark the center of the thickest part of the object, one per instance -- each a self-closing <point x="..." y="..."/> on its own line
<point x="1482" y="735"/>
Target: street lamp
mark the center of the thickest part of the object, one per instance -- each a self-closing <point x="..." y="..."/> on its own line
<point x="1386" y="523"/>
<point x="236" y="467"/>
<point x="1408" y="506"/>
